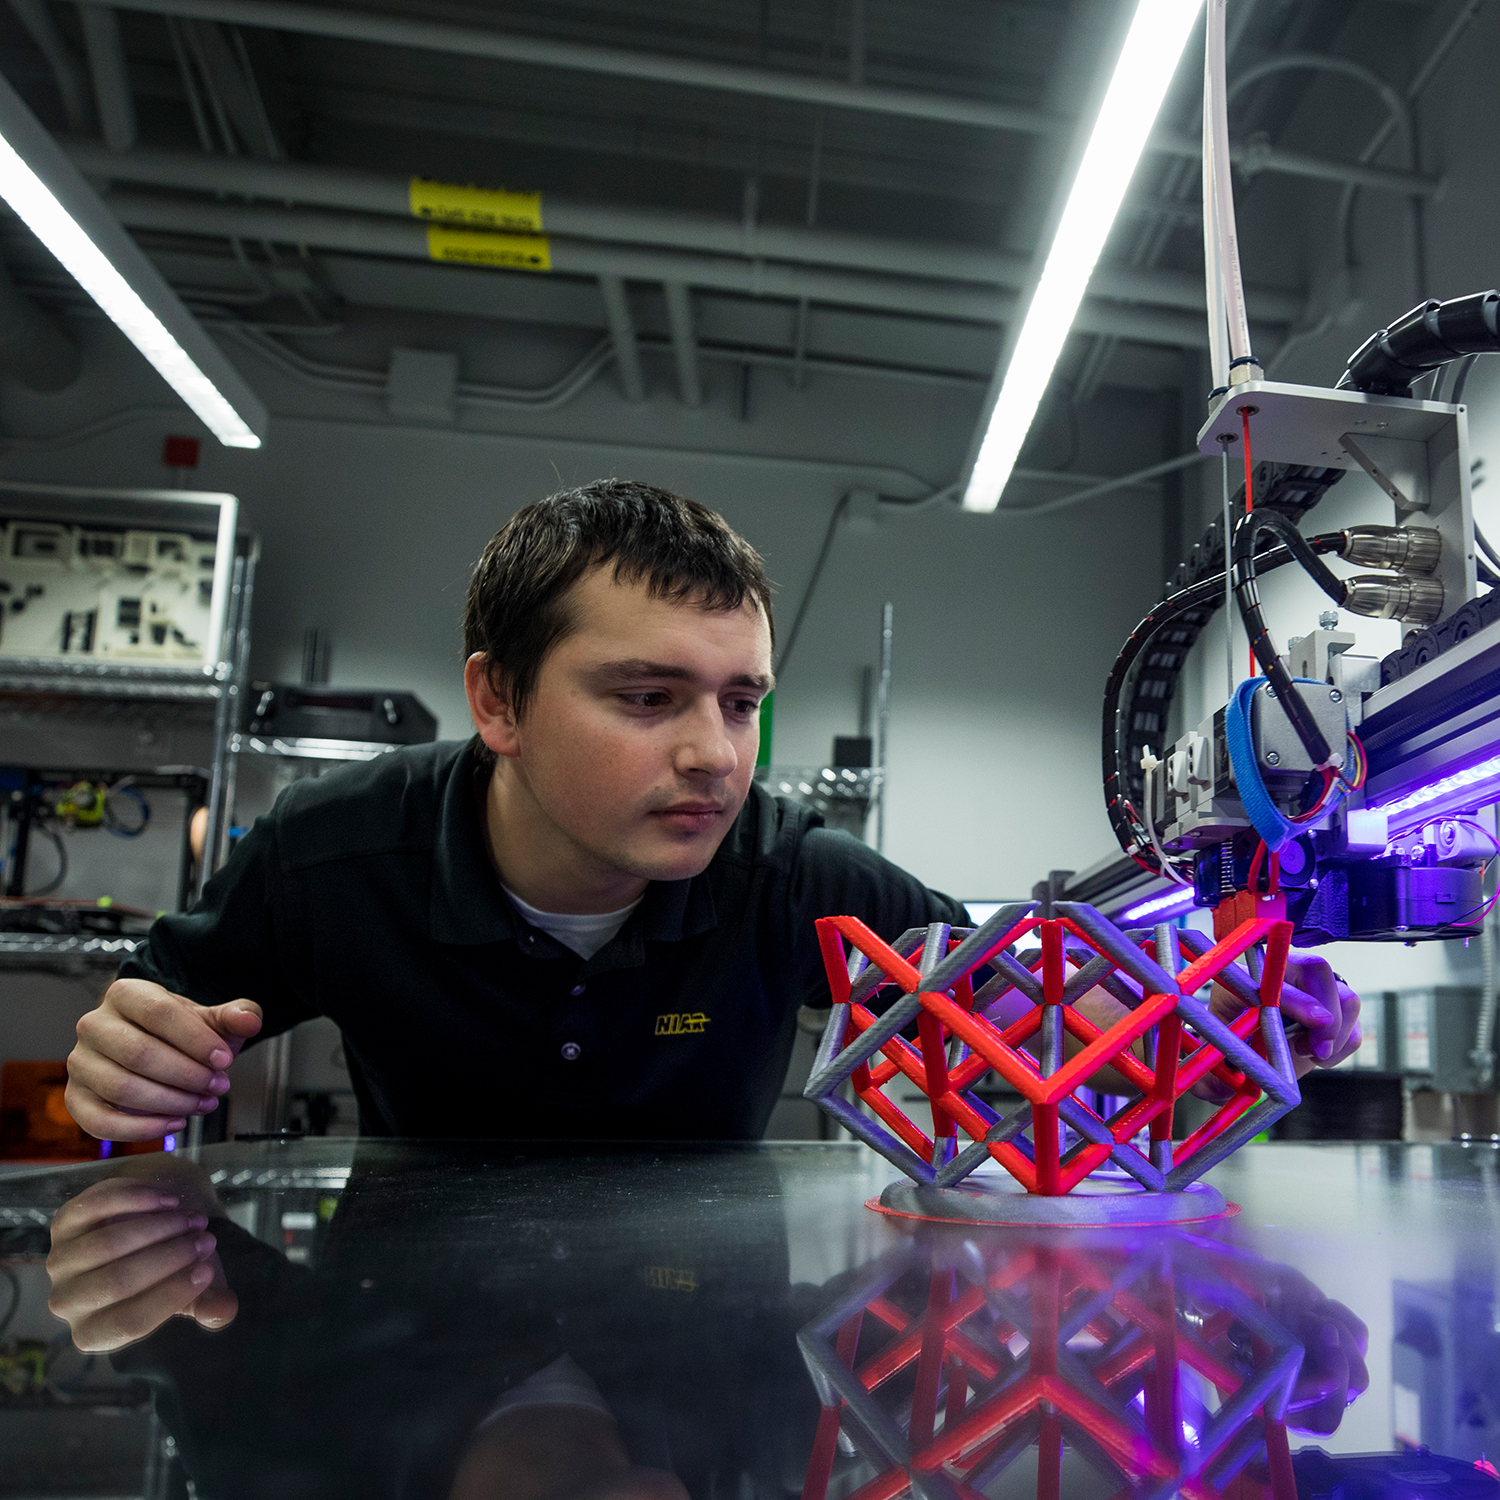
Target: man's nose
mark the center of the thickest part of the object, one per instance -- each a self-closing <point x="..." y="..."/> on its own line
<point x="707" y="750"/>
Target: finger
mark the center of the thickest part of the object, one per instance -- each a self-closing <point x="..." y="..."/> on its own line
<point x="115" y="1241"/>
<point x="104" y="1033"/>
<point x="120" y="1280"/>
<point x="216" y="1308"/>
<point x="170" y="1018"/>
<point x="107" y="1123"/>
<point x="1319" y="1406"/>
<point x="236" y="1022"/>
<point x="1349" y="1006"/>
<point x="107" y="1200"/>
<point x="141" y="1095"/>
<point x="1347" y="1048"/>
<point x="1322" y="1023"/>
<point x="125" y="1322"/>
<point x="1352" y="1324"/>
<point x="1212" y="1089"/>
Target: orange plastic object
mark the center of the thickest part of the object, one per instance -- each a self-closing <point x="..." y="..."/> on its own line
<point x="35" y="1124"/>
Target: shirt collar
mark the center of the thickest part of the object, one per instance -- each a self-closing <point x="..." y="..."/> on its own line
<point x="467" y="904"/>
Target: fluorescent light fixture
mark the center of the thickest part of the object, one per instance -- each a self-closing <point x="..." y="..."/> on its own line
<point x="52" y="199"/>
<point x="1169" y="904"/>
<point x="1475" y="787"/>
<point x="1153" y="48"/>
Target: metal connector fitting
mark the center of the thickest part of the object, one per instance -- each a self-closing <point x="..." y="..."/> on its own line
<point x="1405" y="549"/>
<point x="1417" y="601"/>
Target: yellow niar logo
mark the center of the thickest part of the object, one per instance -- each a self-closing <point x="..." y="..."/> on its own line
<point x="670" y="1279"/>
<point x="687" y="1024"/>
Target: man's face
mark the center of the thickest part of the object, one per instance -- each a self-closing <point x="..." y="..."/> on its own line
<point x="639" y="743"/>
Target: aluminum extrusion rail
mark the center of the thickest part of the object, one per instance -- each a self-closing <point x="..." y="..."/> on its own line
<point x="1439" y="719"/>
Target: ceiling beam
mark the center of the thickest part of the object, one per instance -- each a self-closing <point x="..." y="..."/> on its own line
<point x="364" y="234"/>
<point x="469" y="41"/>
<point x="386" y="194"/>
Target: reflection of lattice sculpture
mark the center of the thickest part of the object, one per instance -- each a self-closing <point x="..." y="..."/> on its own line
<point x="960" y="1040"/>
<point x="1158" y="1366"/>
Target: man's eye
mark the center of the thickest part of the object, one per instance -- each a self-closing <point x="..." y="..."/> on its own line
<point x="645" y="700"/>
<point x="744" y="706"/>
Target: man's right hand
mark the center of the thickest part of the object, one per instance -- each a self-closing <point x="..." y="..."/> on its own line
<point x="147" y="1060"/>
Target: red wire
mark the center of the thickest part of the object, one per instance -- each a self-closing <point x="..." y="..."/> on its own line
<point x="1254" y="870"/>
<point x="1249" y="494"/>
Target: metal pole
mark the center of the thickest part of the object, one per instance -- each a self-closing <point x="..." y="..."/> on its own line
<point x="1228" y="586"/>
<point x="238" y="686"/>
<point x="223" y="728"/>
<point x="883" y="722"/>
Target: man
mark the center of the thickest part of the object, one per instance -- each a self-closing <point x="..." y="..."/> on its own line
<point x="585" y="922"/>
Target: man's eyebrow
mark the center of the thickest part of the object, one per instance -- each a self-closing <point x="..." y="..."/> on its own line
<point x="635" y="669"/>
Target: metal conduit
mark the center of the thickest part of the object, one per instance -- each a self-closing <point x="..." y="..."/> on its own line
<point x="366" y="235"/>
<point x="467" y="41"/>
<point x="377" y="193"/>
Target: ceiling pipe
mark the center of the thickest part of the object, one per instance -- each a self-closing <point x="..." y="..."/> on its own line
<point x="379" y="193"/>
<point x="67" y="72"/>
<point x="684" y="342"/>
<point x="621" y="327"/>
<point x="366" y="235"/>
<point x="111" y="76"/>
<point x="469" y="41"/>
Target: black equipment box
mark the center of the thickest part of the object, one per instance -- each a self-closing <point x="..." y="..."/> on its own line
<point x="367" y="715"/>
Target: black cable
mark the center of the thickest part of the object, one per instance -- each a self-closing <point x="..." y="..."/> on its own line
<point x="62" y="860"/>
<point x="1206" y="595"/>
<point x="1484" y="547"/>
<point x="1247" y="596"/>
<point x="1486" y="575"/>
<point x="812" y="582"/>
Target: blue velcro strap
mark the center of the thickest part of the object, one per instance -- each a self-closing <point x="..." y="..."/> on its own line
<point x="1270" y="823"/>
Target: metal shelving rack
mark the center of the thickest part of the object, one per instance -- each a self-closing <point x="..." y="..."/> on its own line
<point x="842" y="792"/>
<point x="135" y="692"/>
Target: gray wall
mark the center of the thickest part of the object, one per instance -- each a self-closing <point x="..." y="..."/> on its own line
<point x="1004" y="627"/>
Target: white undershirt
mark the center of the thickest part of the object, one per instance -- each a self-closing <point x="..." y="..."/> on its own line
<point x="561" y="1383"/>
<point x="585" y="933"/>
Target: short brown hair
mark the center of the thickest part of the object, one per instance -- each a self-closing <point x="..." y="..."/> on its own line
<point x="517" y="609"/>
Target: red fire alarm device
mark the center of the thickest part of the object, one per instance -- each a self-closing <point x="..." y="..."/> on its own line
<point x="180" y="452"/>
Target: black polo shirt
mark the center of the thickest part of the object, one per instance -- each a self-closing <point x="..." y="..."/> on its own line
<point x="368" y="896"/>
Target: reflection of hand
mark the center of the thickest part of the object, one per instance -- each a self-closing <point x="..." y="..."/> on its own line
<point x="1333" y="1368"/>
<point x="556" y="1453"/>
<point x="129" y="1253"/>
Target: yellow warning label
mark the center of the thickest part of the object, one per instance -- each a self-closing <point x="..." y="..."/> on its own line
<point x="481" y="247"/>
<point x="481" y="208"/>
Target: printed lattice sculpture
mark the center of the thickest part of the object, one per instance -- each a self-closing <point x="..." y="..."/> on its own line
<point x="1159" y="1366"/>
<point x="1183" y="1040"/>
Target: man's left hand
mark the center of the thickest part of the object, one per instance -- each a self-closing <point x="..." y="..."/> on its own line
<point x="1326" y="1007"/>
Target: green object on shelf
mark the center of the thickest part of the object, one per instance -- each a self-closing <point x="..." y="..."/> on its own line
<point x="767" y="713"/>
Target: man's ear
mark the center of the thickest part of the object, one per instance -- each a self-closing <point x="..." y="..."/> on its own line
<point x="490" y="707"/>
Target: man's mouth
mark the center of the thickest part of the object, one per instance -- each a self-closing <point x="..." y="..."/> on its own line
<point x="690" y="816"/>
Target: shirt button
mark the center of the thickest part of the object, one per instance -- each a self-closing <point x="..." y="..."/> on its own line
<point x="577" y="989"/>
<point x="571" y="1051"/>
